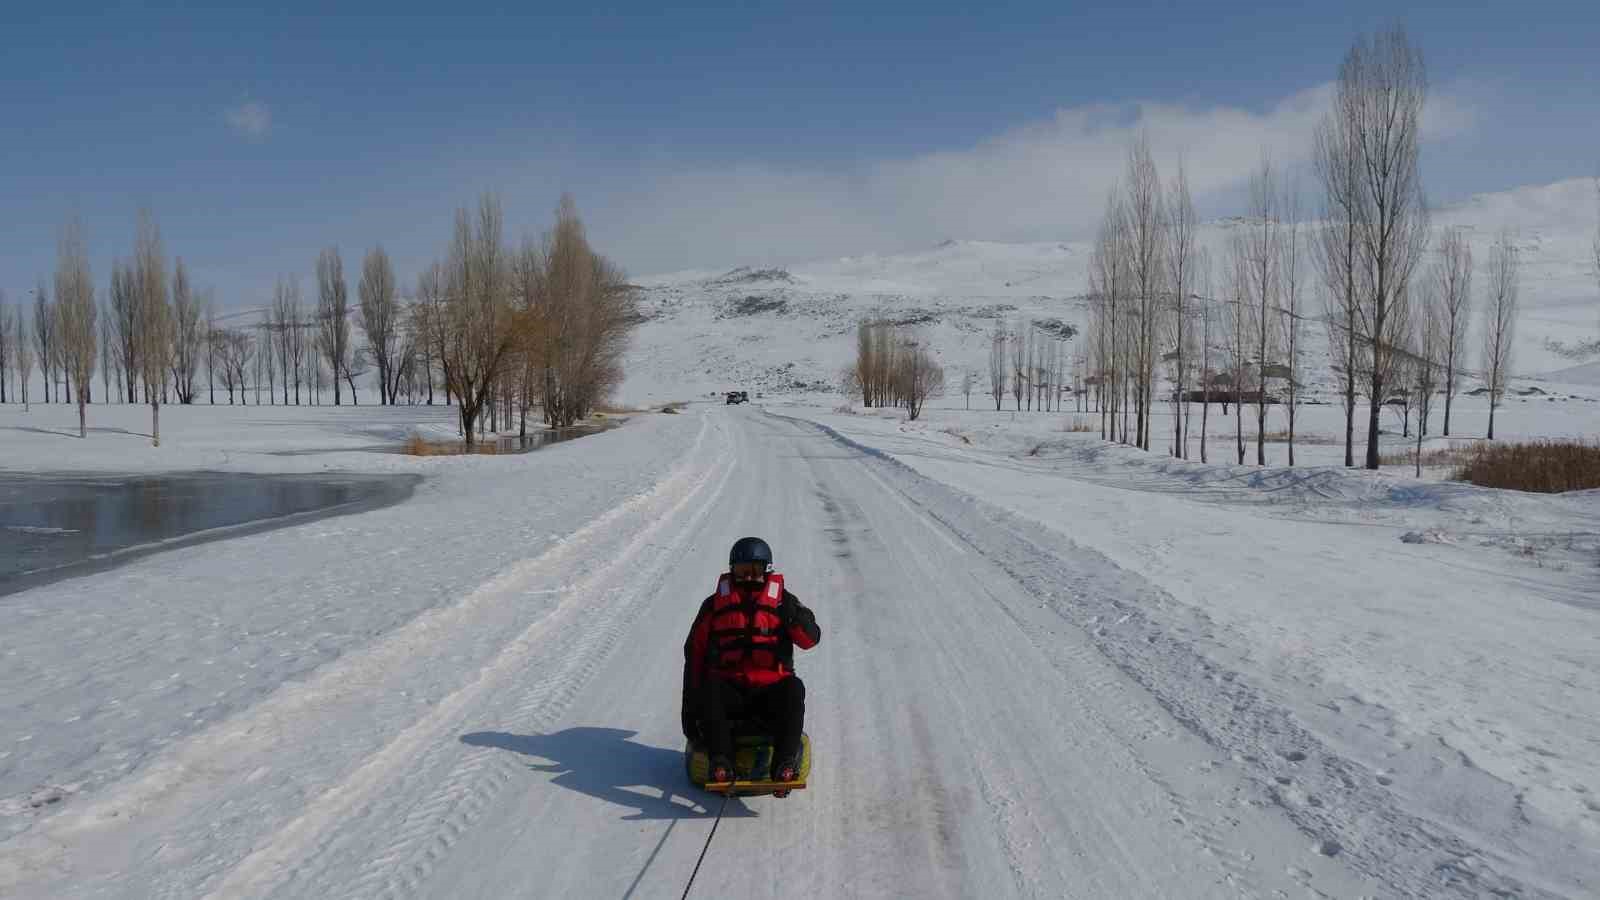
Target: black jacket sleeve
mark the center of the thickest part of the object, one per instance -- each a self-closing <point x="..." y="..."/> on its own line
<point x="693" y="666"/>
<point x="799" y="622"/>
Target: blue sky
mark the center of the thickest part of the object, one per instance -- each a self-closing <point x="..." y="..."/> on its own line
<point x="709" y="137"/>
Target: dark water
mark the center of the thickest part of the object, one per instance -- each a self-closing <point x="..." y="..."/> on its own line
<point x="510" y="443"/>
<point x="58" y="526"/>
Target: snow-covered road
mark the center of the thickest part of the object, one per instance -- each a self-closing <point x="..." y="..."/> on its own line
<point x="995" y="713"/>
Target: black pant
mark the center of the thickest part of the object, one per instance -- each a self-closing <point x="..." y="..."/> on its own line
<point x="780" y="706"/>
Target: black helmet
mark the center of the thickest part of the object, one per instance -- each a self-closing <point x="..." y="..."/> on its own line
<point x="748" y="550"/>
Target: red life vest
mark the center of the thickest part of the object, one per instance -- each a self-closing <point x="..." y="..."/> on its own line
<point x="746" y="627"/>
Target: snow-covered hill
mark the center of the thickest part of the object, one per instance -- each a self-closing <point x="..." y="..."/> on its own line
<point x="790" y="329"/>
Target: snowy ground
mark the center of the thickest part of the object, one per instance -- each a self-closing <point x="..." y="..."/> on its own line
<point x="1439" y="637"/>
<point x="1082" y="672"/>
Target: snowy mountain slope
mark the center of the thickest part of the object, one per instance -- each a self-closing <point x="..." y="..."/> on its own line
<point x="787" y="330"/>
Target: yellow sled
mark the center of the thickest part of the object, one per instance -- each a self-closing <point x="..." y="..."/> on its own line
<point x="752" y="760"/>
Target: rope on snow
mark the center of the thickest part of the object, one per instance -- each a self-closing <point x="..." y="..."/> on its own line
<point x="703" y="850"/>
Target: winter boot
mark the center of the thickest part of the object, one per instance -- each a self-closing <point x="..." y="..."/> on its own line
<point x="787" y="770"/>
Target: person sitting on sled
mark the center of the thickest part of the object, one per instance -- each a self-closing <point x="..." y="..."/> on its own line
<point x="739" y="662"/>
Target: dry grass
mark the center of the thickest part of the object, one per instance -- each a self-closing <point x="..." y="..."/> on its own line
<point x="1080" y="425"/>
<point x="1547" y="466"/>
<point x="1306" y="440"/>
<point x="1443" y="456"/>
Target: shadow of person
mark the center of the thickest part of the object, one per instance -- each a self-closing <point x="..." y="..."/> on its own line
<point x="605" y="764"/>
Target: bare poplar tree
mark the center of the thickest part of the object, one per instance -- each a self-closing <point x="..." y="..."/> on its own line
<point x="997" y="363"/>
<point x="187" y="339"/>
<point x="155" y="317"/>
<point x="288" y="335"/>
<point x="24" y="354"/>
<point x="1386" y="84"/>
<point x="1181" y="224"/>
<point x="333" y="315"/>
<point x="1431" y="347"/>
<point x="581" y="322"/>
<point x="1019" y="374"/>
<point x="921" y="375"/>
<point x="1500" y="324"/>
<point x="1337" y="245"/>
<point x="44" y="337"/>
<point x="108" y="341"/>
<point x="866" y="369"/>
<point x="1452" y="284"/>
<point x="126" y="317"/>
<point x="431" y="301"/>
<point x="1290" y="270"/>
<point x="1262" y="247"/>
<point x="479" y="339"/>
<point x="76" y="316"/>
<point x="380" y="319"/>
<point x="1110" y="281"/>
<point x="266" y="357"/>
<point x="1238" y="336"/>
<point x="1147" y="268"/>
<point x="211" y="350"/>
<point x="425" y="360"/>
<point x="967" y="379"/>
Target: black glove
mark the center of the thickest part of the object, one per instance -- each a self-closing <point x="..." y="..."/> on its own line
<point x="794" y="614"/>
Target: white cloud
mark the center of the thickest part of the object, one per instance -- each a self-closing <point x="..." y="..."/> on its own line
<point x="250" y="119"/>
<point x="1046" y="180"/>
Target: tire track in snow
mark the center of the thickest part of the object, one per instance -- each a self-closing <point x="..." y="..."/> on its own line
<point x="428" y="781"/>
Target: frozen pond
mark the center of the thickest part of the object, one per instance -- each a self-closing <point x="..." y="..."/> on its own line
<point x="58" y="526"/>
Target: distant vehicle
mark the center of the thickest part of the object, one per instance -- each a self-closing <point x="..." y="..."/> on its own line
<point x="737" y="397"/>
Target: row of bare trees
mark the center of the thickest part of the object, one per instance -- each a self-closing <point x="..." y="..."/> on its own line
<point x="1028" y="362"/>
<point x="1142" y="302"/>
<point x="545" y="324"/>
<point x="501" y="330"/>
<point x="72" y="335"/>
<point x="1394" y="336"/>
<point x="894" y="367"/>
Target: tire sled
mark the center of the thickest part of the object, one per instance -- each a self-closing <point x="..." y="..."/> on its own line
<point x="752" y="763"/>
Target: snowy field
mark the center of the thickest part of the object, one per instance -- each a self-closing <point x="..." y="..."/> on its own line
<point x="1441" y="635"/>
<point x="1050" y="667"/>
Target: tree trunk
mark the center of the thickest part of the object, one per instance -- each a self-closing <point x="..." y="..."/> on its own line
<point x="1261" y="423"/>
<point x="155" y="423"/>
<point x="1372" y="434"/>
